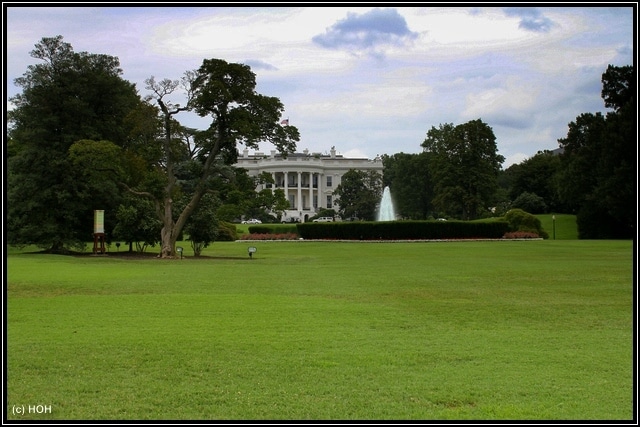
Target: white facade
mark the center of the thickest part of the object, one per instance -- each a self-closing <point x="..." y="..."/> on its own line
<point x="308" y="179"/>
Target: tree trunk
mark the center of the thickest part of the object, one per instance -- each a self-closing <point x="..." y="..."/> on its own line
<point x="168" y="242"/>
<point x="57" y="247"/>
<point x="167" y="235"/>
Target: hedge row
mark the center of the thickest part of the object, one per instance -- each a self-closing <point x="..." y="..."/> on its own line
<point x="273" y="229"/>
<point x="403" y="230"/>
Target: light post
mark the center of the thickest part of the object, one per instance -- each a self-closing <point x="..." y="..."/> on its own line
<point x="179" y="250"/>
<point x="554" y="226"/>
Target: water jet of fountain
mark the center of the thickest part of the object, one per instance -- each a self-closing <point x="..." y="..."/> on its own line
<point x="386" y="212"/>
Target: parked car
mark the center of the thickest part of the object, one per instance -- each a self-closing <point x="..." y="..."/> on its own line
<point x="252" y="221"/>
<point x="324" y="219"/>
<point x="291" y="219"/>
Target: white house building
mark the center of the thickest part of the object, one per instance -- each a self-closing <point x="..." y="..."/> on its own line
<point x="308" y="179"/>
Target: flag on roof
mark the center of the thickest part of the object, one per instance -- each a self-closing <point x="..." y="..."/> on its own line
<point x="285" y="122"/>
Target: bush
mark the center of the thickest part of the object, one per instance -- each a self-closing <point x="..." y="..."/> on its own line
<point x="227" y="232"/>
<point x="522" y="221"/>
<point x="273" y="229"/>
<point x="401" y="230"/>
<point x="530" y="202"/>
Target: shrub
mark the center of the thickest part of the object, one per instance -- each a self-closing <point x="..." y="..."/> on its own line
<point x="227" y="232"/>
<point x="411" y="230"/>
<point x="530" y="202"/>
<point x="520" y="220"/>
<point x="273" y="229"/>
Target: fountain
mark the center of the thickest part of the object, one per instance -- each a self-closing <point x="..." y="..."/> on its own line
<point x="386" y="212"/>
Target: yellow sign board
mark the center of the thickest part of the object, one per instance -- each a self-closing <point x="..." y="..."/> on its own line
<point x="98" y="221"/>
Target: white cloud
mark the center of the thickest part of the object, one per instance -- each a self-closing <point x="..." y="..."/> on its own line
<point x="526" y="72"/>
<point x="514" y="159"/>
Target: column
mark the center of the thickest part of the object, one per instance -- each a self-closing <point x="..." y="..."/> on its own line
<point x="299" y="201"/>
<point x="286" y="187"/>
<point x="320" y="192"/>
<point x="275" y="183"/>
<point x="311" y="191"/>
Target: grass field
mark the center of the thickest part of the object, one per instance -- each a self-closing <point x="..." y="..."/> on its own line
<point x="565" y="226"/>
<point x="508" y="330"/>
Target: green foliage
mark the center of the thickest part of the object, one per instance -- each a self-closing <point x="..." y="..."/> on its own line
<point x="530" y="202"/>
<point x="595" y="222"/>
<point x="465" y="164"/>
<point x="619" y="86"/>
<point x="137" y="223"/>
<point x="520" y="220"/>
<point x="191" y="163"/>
<point x="273" y="229"/>
<point x="537" y="175"/>
<point x="202" y="225"/>
<point x="410" y="178"/>
<point x="227" y="232"/>
<point x="599" y="165"/>
<point x="67" y="98"/>
<point x="401" y="230"/>
<point x="226" y="93"/>
<point x="358" y="194"/>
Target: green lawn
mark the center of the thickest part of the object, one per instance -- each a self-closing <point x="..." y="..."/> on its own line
<point x="505" y="330"/>
<point x="566" y="227"/>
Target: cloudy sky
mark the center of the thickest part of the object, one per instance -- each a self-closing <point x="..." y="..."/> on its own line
<point x="367" y="80"/>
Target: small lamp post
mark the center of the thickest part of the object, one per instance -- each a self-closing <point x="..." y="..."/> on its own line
<point x="554" y="226"/>
<point x="179" y="250"/>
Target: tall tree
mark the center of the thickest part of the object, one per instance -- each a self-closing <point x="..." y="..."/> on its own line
<point x="599" y="163"/>
<point x="619" y="86"/>
<point x="537" y="175"/>
<point x="68" y="97"/>
<point x="409" y="178"/>
<point x="465" y="165"/>
<point x="358" y="194"/>
<point x="225" y="93"/>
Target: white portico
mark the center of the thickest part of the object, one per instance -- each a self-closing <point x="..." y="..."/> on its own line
<point x="308" y="179"/>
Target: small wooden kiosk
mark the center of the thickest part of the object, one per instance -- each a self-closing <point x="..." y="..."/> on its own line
<point x="98" y="232"/>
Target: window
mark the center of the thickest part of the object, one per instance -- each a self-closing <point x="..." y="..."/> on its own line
<point x="329" y="181"/>
<point x="292" y="201"/>
<point x="329" y="202"/>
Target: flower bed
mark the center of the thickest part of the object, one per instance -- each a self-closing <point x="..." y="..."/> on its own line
<point x="269" y="236"/>
<point x="521" y="235"/>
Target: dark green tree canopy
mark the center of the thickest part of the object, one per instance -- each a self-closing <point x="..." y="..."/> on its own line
<point x="598" y="168"/>
<point x="409" y="177"/>
<point x="358" y="194"/>
<point x="66" y="98"/>
<point x="465" y="165"/>
<point x="619" y="86"/>
<point x="190" y="161"/>
<point x="537" y="175"/>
